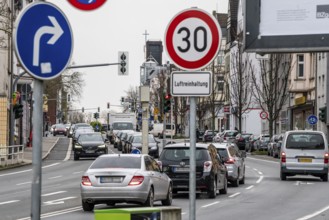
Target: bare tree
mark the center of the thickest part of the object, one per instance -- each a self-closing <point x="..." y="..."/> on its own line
<point x="132" y="95"/>
<point x="271" y="85"/>
<point x="240" y="81"/>
<point x="4" y="23"/>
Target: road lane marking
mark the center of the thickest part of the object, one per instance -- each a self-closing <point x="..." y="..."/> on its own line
<point x="8" y="202"/>
<point x="69" y="150"/>
<point x="78" y="172"/>
<point x="51" y="214"/>
<point x="205" y="206"/>
<point x="58" y="201"/>
<point x="263" y="160"/>
<point x="54" y="177"/>
<point x="51" y="165"/>
<point x="314" y="214"/>
<point x="18" y="172"/>
<point x="260" y="173"/>
<point x="18" y="184"/>
<point x="249" y="187"/>
<point x="235" y="194"/>
<point x="260" y="179"/>
<point x="53" y="193"/>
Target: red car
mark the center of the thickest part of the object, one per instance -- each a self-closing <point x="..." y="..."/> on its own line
<point x="59" y="129"/>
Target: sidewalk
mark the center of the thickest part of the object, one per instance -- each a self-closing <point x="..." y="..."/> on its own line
<point x="47" y="145"/>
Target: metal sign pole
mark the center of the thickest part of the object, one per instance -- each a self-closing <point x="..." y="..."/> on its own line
<point x="37" y="149"/>
<point x="192" y="183"/>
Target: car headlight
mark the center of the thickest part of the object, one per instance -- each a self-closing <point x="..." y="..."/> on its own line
<point x="102" y="146"/>
<point x="153" y="148"/>
<point x="77" y="145"/>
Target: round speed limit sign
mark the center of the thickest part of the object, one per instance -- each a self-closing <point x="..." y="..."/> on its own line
<point x="192" y="39"/>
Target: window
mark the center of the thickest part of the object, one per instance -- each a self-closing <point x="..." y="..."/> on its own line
<point x="220" y="83"/>
<point x="300" y="66"/>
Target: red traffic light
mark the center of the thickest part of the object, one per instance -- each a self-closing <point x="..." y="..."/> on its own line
<point x="167" y="96"/>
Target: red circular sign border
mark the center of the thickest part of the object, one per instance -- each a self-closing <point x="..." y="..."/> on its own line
<point x="262" y="112"/>
<point x="87" y="7"/>
<point x="214" y="48"/>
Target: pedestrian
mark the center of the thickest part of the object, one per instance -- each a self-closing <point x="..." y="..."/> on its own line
<point x="206" y="127"/>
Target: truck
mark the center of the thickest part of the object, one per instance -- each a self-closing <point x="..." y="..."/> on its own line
<point x="120" y="121"/>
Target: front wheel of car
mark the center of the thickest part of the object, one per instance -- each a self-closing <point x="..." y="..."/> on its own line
<point x="224" y="190"/>
<point x="168" y="200"/>
<point x="88" y="207"/>
<point x="324" y="177"/>
<point x="283" y="176"/>
<point x="213" y="189"/>
<point x="150" y="199"/>
<point x="76" y="156"/>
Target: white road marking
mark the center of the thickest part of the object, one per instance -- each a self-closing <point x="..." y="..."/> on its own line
<point x="54" y="193"/>
<point x="8" y="202"/>
<point x="260" y="173"/>
<point x="260" y="179"/>
<point x="19" y="172"/>
<point x="314" y="214"/>
<point x="78" y="172"/>
<point x="235" y="194"/>
<point x="51" y="165"/>
<point x="51" y="214"/>
<point x="184" y="213"/>
<point x="268" y="161"/>
<point x="249" y="187"/>
<point x="55" y="177"/>
<point x="69" y="150"/>
<point x="58" y="201"/>
<point x="205" y="206"/>
<point x="18" y="184"/>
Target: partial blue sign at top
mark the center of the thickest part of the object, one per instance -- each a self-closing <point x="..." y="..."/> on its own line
<point x="43" y="40"/>
<point x="312" y="119"/>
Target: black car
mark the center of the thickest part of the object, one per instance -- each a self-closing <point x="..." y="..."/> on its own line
<point x="135" y="142"/>
<point x="90" y="145"/>
<point x="211" y="172"/>
<point x="208" y="135"/>
<point x="241" y="140"/>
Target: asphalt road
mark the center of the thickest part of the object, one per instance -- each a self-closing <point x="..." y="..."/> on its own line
<point x="263" y="196"/>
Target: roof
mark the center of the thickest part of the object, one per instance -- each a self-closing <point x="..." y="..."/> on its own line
<point x="187" y="144"/>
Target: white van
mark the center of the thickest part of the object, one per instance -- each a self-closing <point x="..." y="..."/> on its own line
<point x="157" y="130"/>
<point x="304" y="153"/>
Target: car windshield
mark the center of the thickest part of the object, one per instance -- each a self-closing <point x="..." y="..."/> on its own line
<point x="90" y="137"/>
<point x="231" y="134"/>
<point x="305" y="141"/>
<point x="222" y="152"/>
<point x="60" y="126"/>
<point x="117" y="162"/>
<point x="122" y="126"/>
<point x="179" y="154"/>
<point x="138" y="139"/>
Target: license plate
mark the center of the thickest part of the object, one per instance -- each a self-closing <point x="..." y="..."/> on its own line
<point x="181" y="169"/>
<point x="90" y="151"/>
<point x="110" y="179"/>
<point x="305" y="160"/>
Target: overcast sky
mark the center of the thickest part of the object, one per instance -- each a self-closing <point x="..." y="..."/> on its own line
<point x="119" y="25"/>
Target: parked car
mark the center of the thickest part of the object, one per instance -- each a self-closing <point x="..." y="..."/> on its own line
<point x="211" y="172"/>
<point x="117" y="139"/>
<point x="130" y="178"/>
<point x="70" y="131"/>
<point x="276" y="148"/>
<point x="304" y="153"/>
<point x="208" y="135"/>
<point x="135" y="142"/>
<point x="262" y="142"/>
<point x="59" y="129"/>
<point x="227" y="136"/>
<point x="124" y="138"/>
<point x="241" y="140"/>
<point x="200" y="134"/>
<point x="90" y="145"/>
<point x="234" y="161"/>
<point x="251" y="145"/>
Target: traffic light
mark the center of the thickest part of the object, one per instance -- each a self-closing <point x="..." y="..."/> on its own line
<point x="96" y="115"/>
<point x="83" y="109"/>
<point x="167" y="103"/>
<point x="323" y="114"/>
<point x="98" y="109"/>
<point x="123" y="63"/>
<point x="108" y="105"/>
<point x="18" y="110"/>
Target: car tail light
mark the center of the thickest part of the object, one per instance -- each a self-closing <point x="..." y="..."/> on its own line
<point x="207" y="166"/>
<point x="136" y="180"/>
<point x="86" y="181"/>
<point x="283" y="157"/>
<point x="326" y="158"/>
<point x="230" y="161"/>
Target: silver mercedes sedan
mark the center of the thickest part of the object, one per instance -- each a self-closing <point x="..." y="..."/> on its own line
<point x="129" y="178"/>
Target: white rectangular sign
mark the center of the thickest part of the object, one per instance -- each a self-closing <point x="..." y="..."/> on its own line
<point x="191" y="83"/>
<point x="294" y="17"/>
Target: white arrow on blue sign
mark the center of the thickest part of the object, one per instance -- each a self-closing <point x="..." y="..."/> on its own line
<point x="43" y="40"/>
<point x="312" y="119"/>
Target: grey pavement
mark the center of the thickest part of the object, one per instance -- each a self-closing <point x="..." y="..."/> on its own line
<point x="48" y="143"/>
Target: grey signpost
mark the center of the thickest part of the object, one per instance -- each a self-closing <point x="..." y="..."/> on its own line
<point x="44" y="65"/>
<point x="192" y="55"/>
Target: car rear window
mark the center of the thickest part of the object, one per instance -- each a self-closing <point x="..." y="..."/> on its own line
<point x="305" y="141"/>
<point x="179" y="154"/>
<point x="222" y="152"/>
<point x="117" y="162"/>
